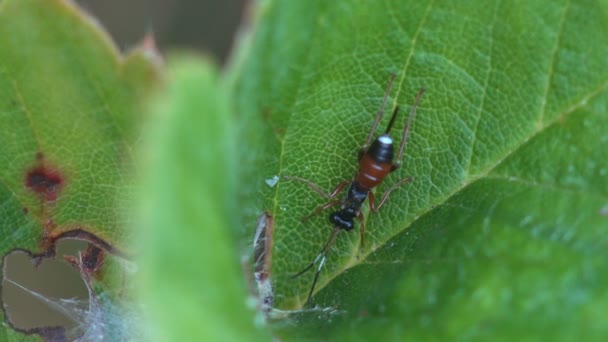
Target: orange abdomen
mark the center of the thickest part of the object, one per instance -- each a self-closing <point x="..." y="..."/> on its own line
<point x="371" y="173"/>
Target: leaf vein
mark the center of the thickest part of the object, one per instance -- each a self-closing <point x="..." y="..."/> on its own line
<point x="431" y="207"/>
<point x="411" y="52"/>
<point x="549" y="186"/>
<point x="553" y="58"/>
<point x="484" y="93"/>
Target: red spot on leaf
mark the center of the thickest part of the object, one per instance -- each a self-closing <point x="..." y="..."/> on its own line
<point x="44" y="181"/>
<point x="49" y="224"/>
<point x="93" y="258"/>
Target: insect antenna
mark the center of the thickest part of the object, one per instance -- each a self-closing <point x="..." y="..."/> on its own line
<point x="410" y="119"/>
<point x="321" y="256"/>
<point x="381" y="111"/>
<point x="390" y="123"/>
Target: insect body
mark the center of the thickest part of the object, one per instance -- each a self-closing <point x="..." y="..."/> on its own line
<point x="375" y="163"/>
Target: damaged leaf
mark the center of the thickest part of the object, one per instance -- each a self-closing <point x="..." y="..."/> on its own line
<point x="69" y="108"/>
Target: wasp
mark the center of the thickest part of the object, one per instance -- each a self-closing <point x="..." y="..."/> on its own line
<point x="376" y="161"/>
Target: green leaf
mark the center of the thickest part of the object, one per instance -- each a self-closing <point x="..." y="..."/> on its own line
<point x="502" y="231"/>
<point x="192" y="282"/>
<point x="69" y="108"/>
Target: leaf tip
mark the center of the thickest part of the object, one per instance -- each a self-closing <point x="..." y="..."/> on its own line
<point x="148" y="49"/>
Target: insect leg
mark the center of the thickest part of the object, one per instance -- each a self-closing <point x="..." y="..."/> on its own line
<point x="320" y="209"/>
<point x="361" y="231"/>
<point x="314" y="187"/>
<point x="335" y="192"/>
<point x="322" y="257"/>
<point x="372" y="197"/>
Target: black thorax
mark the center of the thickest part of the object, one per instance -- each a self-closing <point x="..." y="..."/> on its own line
<point x="351" y="206"/>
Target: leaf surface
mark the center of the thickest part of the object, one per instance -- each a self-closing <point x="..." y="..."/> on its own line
<point x="502" y="231"/>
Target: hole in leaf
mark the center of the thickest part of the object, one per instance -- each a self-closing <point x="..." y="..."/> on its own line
<point x="50" y="295"/>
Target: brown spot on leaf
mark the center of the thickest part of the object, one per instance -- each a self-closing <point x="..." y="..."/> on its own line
<point x="25" y="210"/>
<point x="49" y="243"/>
<point x="47" y="233"/>
<point x="44" y="181"/>
<point x="49" y="225"/>
<point x="279" y="131"/>
<point x="92" y="258"/>
<point x="90" y="261"/>
<point x="81" y="234"/>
